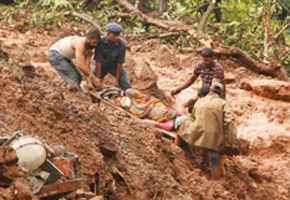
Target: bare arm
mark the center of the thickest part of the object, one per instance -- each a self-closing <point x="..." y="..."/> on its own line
<point x="187" y="84"/>
<point x="82" y="61"/>
<point x="118" y="72"/>
<point x="98" y="70"/>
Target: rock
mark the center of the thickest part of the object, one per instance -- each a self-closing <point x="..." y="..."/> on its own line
<point x="7" y="155"/>
<point x="22" y="190"/>
<point x="109" y="150"/>
<point x="258" y="176"/>
<point x="230" y="78"/>
<point x="147" y="78"/>
<point x="28" y="70"/>
<point x="4" y="55"/>
<point x="6" y="193"/>
<point x="98" y="198"/>
<point x="272" y="89"/>
<point x="245" y="86"/>
<point x="13" y="172"/>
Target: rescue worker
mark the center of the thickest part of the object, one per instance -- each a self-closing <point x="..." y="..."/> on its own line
<point x="110" y="56"/>
<point x="205" y="128"/>
<point x="207" y="70"/>
<point x="71" y="57"/>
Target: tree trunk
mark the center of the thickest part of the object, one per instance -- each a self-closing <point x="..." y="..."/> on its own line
<point x="267" y="28"/>
<point x="205" y="16"/>
<point x="143" y="6"/>
<point x="163" y="6"/>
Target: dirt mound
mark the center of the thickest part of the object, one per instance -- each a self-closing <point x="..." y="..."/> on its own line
<point x="150" y="166"/>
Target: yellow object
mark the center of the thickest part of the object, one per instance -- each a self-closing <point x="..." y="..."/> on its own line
<point x="143" y="106"/>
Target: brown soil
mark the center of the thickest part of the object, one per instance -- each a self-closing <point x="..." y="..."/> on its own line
<point x="152" y="167"/>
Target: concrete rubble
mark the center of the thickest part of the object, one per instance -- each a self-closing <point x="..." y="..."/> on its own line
<point x="32" y="170"/>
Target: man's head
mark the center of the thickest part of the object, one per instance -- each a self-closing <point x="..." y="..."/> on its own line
<point x="218" y="88"/>
<point x="93" y="38"/>
<point x="207" y="56"/>
<point x="113" y="32"/>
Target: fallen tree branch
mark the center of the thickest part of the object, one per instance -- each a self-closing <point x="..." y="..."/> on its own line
<point x="120" y="15"/>
<point x="205" y="16"/>
<point x="164" y="35"/>
<point x="235" y="54"/>
<point x="238" y="55"/>
<point x="267" y="30"/>
<point x="84" y="17"/>
<point x="282" y="30"/>
<point x="165" y="24"/>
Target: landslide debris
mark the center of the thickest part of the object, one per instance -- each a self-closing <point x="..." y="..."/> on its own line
<point x="140" y="164"/>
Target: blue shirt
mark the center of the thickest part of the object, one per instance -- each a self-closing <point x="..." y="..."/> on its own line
<point x="110" y="54"/>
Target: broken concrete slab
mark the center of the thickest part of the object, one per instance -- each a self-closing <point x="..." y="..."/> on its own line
<point x="44" y="180"/>
<point x="62" y="188"/>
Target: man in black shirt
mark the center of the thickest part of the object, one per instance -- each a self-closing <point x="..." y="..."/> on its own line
<point x="110" y="56"/>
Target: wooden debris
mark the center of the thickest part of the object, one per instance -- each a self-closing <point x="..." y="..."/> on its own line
<point x="85" y="17"/>
<point x="62" y="188"/>
<point x="119" y="176"/>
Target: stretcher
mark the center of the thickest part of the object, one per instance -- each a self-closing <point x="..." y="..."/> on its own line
<point x="96" y="97"/>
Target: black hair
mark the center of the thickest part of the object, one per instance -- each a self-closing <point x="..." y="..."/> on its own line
<point x="203" y="91"/>
<point x="207" y="52"/>
<point x="94" y="34"/>
<point x="218" y="89"/>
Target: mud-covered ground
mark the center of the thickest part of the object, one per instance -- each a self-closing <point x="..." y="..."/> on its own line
<point x="152" y="167"/>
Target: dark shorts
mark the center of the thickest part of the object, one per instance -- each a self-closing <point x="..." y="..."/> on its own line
<point x="65" y="68"/>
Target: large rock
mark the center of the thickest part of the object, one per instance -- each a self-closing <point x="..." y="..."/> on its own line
<point x="147" y="83"/>
<point x="272" y="89"/>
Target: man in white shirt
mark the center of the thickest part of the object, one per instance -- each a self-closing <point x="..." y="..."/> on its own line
<point x="71" y="57"/>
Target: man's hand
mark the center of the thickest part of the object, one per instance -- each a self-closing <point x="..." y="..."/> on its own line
<point x="186" y="85"/>
<point x="190" y="103"/>
<point x="174" y="92"/>
<point x="95" y="82"/>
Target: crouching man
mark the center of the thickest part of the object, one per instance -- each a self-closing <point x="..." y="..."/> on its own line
<point x="110" y="56"/>
<point x="71" y="58"/>
<point x="205" y="129"/>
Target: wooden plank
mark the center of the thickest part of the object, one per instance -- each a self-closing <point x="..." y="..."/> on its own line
<point x="62" y="188"/>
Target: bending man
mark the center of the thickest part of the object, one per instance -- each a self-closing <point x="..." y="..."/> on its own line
<point x="205" y="128"/>
<point x="80" y="49"/>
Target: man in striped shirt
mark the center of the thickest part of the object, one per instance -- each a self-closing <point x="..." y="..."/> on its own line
<point x="207" y="70"/>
